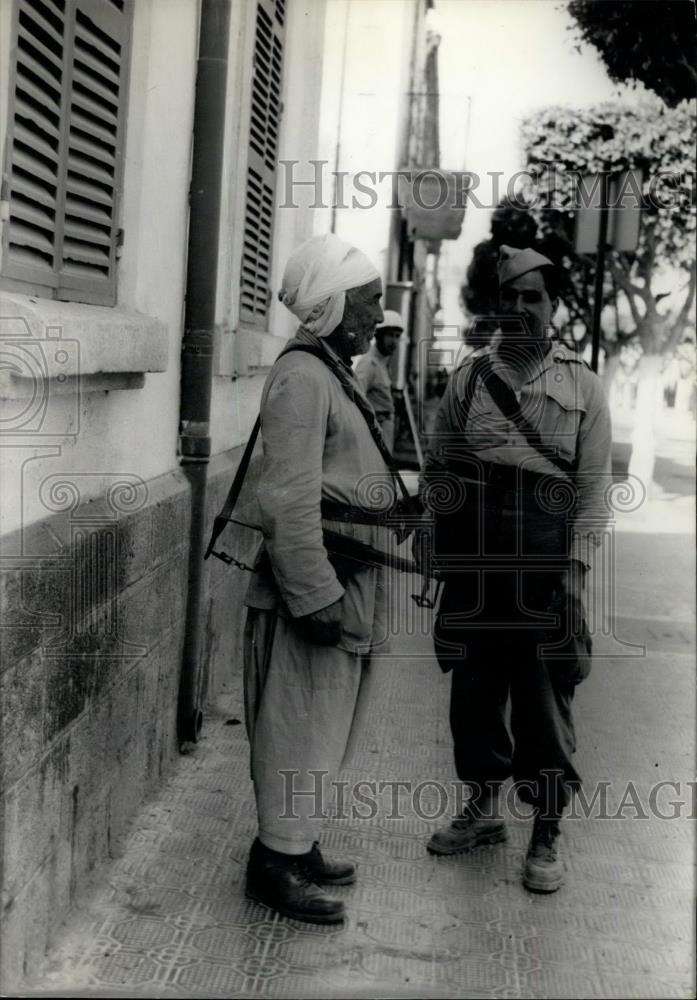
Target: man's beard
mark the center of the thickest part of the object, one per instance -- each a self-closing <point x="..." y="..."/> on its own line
<point x="360" y="341"/>
<point x="348" y="344"/>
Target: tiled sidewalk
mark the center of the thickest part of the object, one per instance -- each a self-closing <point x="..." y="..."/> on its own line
<point x="169" y="917"/>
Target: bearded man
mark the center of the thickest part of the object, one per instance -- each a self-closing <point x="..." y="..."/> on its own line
<point x="312" y="622"/>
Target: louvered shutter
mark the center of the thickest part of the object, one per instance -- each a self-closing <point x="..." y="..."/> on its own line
<point x="65" y="146"/>
<point x="264" y="131"/>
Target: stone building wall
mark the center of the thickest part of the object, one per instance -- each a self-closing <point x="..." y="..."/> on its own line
<point x="93" y="612"/>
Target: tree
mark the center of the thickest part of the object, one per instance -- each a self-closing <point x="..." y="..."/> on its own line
<point x="515" y="224"/>
<point x="652" y="41"/>
<point x="512" y="225"/>
<point x="562" y="143"/>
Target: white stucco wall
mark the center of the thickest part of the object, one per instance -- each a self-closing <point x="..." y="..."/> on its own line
<point x="244" y="355"/>
<point x="134" y="431"/>
<point x="93" y="436"/>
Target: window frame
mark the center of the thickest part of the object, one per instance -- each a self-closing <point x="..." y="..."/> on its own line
<point x="115" y="16"/>
<point x="256" y="319"/>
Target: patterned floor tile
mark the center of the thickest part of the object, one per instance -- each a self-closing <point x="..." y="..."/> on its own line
<point x="553" y="983"/>
<point x="170" y="918"/>
<point x="211" y="979"/>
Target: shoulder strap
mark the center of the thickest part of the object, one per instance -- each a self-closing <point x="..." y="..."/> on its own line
<point x="224" y="516"/>
<point x="505" y="398"/>
<point x="465" y="404"/>
<point x="231" y="499"/>
<point x="365" y="409"/>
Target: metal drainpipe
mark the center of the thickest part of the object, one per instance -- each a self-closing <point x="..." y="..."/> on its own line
<point x="199" y="321"/>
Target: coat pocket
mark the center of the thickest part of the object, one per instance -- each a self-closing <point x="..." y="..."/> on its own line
<point x="561" y="419"/>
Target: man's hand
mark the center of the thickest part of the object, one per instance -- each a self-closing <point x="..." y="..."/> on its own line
<point x="409" y="508"/>
<point x="421" y="549"/>
<point x="568" y="599"/>
<point x="323" y="627"/>
<point x="573" y="580"/>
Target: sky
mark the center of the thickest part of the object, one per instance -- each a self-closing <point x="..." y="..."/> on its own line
<point x="499" y="60"/>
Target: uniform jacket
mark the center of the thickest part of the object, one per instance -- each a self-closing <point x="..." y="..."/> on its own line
<point x="316" y="444"/>
<point x="564" y="400"/>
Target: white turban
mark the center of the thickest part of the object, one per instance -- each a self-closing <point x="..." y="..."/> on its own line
<point x="317" y="277"/>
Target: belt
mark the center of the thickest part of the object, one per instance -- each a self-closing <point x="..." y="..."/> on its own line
<point x="508" y="478"/>
<point x="336" y="510"/>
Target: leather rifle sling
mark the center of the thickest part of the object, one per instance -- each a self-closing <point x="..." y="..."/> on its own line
<point x="505" y="399"/>
<point x="224" y="516"/>
<point x="365" y="411"/>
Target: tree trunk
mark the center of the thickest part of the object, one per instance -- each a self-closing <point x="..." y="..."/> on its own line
<point x="683" y="397"/>
<point x="612" y="363"/>
<point x="643" y="457"/>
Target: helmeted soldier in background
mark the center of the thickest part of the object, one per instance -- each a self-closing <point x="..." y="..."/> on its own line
<point x="373" y="372"/>
<point x="521" y="445"/>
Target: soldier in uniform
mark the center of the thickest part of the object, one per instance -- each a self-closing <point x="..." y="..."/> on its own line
<point x="521" y="450"/>
<point x="372" y="371"/>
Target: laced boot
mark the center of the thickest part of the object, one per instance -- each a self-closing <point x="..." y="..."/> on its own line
<point x="544" y="871"/>
<point x="326" y="872"/>
<point x="285" y="883"/>
<point x="477" y="824"/>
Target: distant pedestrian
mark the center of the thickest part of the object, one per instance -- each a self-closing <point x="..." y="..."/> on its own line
<point x="522" y="437"/>
<point x="373" y="372"/>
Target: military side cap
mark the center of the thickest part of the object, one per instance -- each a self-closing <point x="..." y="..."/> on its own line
<point x="513" y="262"/>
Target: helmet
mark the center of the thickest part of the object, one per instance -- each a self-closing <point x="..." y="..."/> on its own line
<point x="392" y="321"/>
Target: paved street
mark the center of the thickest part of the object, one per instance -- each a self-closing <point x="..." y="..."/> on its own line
<point x="168" y="916"/>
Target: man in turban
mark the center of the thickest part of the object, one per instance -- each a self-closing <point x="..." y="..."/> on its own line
<point x="312" y="622"/>
<point x="372" y="371"/>
<point x="522" y="440"/>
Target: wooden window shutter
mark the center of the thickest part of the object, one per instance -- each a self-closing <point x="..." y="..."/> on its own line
<point x="264" y="128"/>
<point x="65" y="147"/>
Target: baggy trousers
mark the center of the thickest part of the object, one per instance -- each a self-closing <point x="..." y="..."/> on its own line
<point x="538" y="751"/>
<point x="304" y="706"/>
<point x="492" y="630"/>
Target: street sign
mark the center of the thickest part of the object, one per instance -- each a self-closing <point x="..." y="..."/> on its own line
<point x="433" y="204"/>
<point x="608" y="216"/>
<point x="623" y="208"/>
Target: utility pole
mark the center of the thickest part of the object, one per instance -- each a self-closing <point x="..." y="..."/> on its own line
<point x="600" y="267"/>
<point x="337" y="151"/>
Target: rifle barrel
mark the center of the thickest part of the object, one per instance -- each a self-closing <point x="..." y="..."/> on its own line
<point x="352" y="548"/>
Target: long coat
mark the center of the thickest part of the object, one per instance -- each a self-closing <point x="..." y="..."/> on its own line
<point x="316" y="445"/>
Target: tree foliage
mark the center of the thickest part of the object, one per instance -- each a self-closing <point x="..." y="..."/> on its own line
<point x="652" y="41"/>
<point x="562" y="143"/>
<point x="512" y="225"/>
<point x="515" y="225"/>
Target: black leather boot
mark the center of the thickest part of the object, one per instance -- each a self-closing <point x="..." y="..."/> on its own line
<point x="285" y="883"/>
<point x="326" y="872"/>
